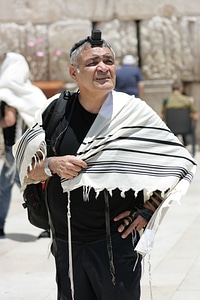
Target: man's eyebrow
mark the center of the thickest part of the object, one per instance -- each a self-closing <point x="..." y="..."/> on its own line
<point x="108" y="56"/>
<point x="99" y="56"/>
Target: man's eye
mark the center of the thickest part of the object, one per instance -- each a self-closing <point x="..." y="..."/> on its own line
<point x="109" y="62"/>
<point x="93" y="63"/>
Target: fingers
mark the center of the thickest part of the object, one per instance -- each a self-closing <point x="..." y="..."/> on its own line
<point x="73" y="167"/>
<point x="122" y="215"/>
<point x="77" y="162"/>
<point x="67" y="166"/>
<point x="138" y="225"/>
<point x="126" y="223"/>
<point x="130" y="221"/>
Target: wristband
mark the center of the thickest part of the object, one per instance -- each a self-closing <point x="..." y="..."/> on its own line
<point x="47" y="170"/>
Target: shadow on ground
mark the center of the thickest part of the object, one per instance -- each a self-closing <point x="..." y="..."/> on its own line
<point x="20" y="237"/>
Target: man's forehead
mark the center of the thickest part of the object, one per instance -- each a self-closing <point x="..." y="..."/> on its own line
<point x="96" y="52"/>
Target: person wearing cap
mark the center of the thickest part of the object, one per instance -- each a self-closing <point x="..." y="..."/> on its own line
<point x="129" y="78"/>
<point x="114" y="165"/>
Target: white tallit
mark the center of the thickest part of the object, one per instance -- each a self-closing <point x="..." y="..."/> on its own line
<point x="17" y="90"/>
<point x="129" y="147"/>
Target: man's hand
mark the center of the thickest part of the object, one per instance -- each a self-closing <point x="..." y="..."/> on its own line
<point x="68" y="166"/>
<point x="136" y="224"/>
<point x="137" y="220"/>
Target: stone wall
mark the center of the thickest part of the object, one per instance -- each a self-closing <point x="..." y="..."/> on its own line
<point x="163" y="35"/>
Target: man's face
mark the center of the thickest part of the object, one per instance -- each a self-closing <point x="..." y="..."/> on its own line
<point x="96" y="70"/>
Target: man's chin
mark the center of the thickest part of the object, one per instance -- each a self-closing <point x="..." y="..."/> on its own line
<point x="106" y="85"/>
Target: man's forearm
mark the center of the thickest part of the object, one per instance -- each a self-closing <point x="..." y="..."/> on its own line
<point x="37" y="172"/>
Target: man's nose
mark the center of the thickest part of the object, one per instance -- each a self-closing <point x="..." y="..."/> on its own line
<point x="102" y="67"/>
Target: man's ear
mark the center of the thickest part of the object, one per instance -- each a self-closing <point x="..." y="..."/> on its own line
<point x="72" y="72"/>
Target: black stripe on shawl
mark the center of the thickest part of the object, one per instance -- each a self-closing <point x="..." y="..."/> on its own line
<point x="137" y="151"/>
<point x="134" y="168"/>
<point x="130" y="127"/>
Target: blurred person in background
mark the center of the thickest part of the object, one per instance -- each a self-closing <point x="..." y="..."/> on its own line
<point x="19" y="100"/>
<point x="178" y="100"/>
<point x="129" y="78"/>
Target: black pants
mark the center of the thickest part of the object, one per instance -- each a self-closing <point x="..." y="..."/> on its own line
<point x="91" y="270"/>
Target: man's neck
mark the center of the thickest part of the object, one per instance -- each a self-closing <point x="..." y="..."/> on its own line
<point x="92" y="103"/>
<point x="176" y="92"/>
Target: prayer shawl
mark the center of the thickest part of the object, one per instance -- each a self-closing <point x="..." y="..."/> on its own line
<point x="127" y="147"/>
<point x="17" y="90"/>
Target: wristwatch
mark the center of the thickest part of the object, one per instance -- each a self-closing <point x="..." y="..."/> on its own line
<point x="47" y="170"/>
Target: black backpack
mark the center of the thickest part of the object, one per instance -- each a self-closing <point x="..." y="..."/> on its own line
<point x="56" y="119"/>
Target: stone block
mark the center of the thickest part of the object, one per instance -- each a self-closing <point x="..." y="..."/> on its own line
<point x="142" y="9"/>
<point x="167" y="49"/>
<point x="29" y="40"/>
<point x="49" y="11"/>
<point x="122" y="37"/>
<point x="61" y="36"/>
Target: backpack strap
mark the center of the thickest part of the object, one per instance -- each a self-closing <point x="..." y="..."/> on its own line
<point x="56" y="119"/>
